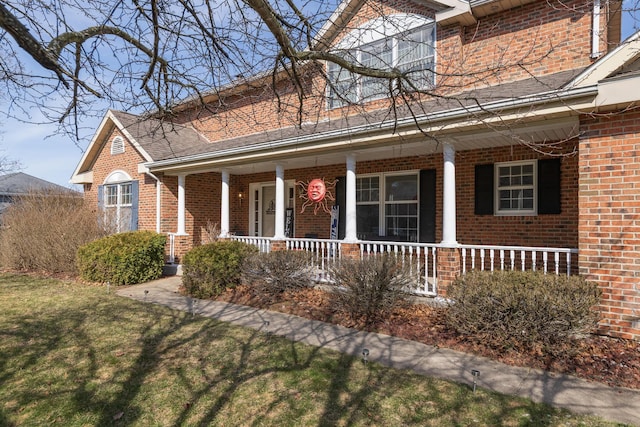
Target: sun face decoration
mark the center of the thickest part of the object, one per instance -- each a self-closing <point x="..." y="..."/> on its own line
<point x="317" y="192"/>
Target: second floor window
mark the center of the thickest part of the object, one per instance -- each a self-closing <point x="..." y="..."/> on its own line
<point x="411" y="52"/>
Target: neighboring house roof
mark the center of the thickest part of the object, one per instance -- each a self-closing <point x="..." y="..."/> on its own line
<point x="20" y="184"/>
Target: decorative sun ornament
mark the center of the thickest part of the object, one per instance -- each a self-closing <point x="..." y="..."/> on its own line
<point x="318" y="193"/>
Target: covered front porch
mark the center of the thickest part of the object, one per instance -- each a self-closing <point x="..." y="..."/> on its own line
<point x="260" y="203"/>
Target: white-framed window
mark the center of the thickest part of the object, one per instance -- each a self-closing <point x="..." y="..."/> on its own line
<point x="387" y="206"/>
<point x="118" y="202"/>
<point x="410" y="49"/>
<point x="515" y="192"/>
<point x="117" y="145"/>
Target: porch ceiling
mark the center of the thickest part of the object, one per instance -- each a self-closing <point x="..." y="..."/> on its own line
<point x="396" y="146"/>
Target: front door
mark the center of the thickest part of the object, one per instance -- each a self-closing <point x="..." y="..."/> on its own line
<point x="263" y="207"/>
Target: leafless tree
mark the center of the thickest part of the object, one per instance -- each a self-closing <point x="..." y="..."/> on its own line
<point x="69" y="57"/>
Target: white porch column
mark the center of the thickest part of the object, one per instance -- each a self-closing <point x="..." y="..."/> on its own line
<point x="351" y="228"/>
<point x="279" y="226"/>
<point x="224" y="205"/>
<point x="181" y="205"/>
<point x="449" y="196"/>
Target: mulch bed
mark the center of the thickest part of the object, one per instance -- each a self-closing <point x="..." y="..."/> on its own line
<point x="615" y="362"/>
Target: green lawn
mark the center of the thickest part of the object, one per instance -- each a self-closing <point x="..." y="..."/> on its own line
<point x="74" y="355"/>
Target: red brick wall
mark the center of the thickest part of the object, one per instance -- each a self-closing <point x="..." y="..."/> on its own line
<point x="609" y="225"/>
<point x="536" y="39"/>
<point x="106" y="163"/>
<point x="539" y="230"/>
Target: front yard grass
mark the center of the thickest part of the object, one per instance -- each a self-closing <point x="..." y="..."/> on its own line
<point x="75" y="355"/>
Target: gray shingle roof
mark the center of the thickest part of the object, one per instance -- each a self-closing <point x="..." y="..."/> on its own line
<point x="164" y="140"/>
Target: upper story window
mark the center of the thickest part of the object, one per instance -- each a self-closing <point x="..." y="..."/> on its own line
<point x="117" y="145"/>
<point x="403" y="42"/>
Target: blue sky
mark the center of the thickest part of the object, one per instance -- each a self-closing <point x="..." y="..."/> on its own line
<point x="53" y="157"/>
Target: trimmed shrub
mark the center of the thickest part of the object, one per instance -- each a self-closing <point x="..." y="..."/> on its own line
<point x="276" y="272"/>
<point x="369" y="290"/>
<point x="123" y="259"/>
<point x="526" y="311"/>
<point x="208" y="270"/>
<point x="42" y="231"/>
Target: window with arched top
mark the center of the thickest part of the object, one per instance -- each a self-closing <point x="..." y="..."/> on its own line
<point x="118" y="199"/>
<point x="117" y="145"/>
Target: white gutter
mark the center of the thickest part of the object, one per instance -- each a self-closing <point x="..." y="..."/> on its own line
<point x="380" y="126"/>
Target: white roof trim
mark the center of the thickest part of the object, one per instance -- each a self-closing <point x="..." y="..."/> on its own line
<point x="82" y="178"/>
<point x="608" y="64"/>
<point x="79" y="174"/>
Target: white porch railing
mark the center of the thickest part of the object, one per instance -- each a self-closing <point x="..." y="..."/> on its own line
<point x="420" y="258"/>
<point x="262" y="243"/>
<point x="324" y="254"/>
<point x="491" y="258"/>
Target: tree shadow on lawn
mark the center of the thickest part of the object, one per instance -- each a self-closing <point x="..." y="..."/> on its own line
<point x="85" y="343"/>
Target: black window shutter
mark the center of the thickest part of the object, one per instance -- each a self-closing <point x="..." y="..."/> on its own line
<point x="427" y="206"/>
<point x="341" y="202"/>
<point x="484" y="191"/>
<point x="549" y="186"/>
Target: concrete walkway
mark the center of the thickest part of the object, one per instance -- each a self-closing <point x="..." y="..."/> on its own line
<point x="579" y="396"/>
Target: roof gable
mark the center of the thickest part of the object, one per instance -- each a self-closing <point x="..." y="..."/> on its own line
<point x="154" y="139"/>
<point x="619" y="61"/>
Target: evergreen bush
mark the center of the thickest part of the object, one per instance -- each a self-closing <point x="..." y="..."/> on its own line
<point x="209" y="269"/>
<point x="123" y="259"/>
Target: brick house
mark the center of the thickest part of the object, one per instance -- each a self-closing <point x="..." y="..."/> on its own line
<point x="524" y="156"/>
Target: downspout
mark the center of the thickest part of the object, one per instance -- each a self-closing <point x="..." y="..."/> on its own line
<point x="595" y="30"/>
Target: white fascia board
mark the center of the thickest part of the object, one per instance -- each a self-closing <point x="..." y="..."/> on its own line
<point x="337" y="20"/>
<point x="608" y="64"/>
<point x="82" y="178"/>
<point x="618" y="92"/>
<point x="457" y="11"/>
<point x="94" y="140"/>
